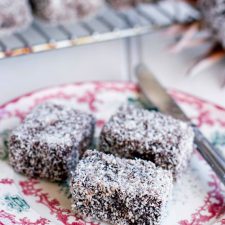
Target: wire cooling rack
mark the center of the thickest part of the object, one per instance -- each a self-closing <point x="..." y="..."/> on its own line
<point x="109" y="24"/>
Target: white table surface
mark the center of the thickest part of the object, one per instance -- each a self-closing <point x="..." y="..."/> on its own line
<point x="107" y="61"/>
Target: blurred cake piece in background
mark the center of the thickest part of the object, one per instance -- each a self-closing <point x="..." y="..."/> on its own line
<point x="14" y="16"/>
<point x="214" y="17"/>
<point x="63" y="11"/>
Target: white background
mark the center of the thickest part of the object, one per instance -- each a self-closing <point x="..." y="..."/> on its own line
<point x="108" y="61"/>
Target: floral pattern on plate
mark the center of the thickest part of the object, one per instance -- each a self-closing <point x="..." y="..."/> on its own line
<point x="198" y="197"/>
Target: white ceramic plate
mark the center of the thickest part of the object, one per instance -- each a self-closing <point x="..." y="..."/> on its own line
<point x="198" y="197"/>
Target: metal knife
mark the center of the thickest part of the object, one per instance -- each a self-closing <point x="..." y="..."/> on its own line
<point x="158" y="96"/>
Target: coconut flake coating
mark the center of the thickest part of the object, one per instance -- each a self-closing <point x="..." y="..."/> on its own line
<point x="61" y="11"/>
<point x="138" y="133"/>
<point x="14" y="16"/>
<point x="120" y="191"/>
<point x="214" y="17"/>
<point x="47" y="144"/>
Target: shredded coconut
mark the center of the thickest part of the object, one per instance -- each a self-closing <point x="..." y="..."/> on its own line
<point x="60" y="11"/>
<point x="14" y="16"/>
<point x="42" y="145"/>
<point x="135" y="132"/>
<point x="120" y="191"/>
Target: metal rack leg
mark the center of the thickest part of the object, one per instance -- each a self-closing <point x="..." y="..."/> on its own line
<point x="139" y="48"/>
<point x="134" y="55"/>
<point x="128" y="55"/>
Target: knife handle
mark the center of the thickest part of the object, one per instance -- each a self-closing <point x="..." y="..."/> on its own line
<point x="210" y="154"/>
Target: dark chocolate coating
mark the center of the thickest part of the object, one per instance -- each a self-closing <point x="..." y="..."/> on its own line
<point x="14" y="16"/>
<point x="47" y="144"/>
<point x="214" y="17"/>
<point x="120" y="191"/>
<point x="138" y="133"/>
<point x="62" y="11"/>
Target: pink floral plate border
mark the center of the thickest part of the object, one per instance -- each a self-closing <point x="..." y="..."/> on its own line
<point x="198" y="197"/>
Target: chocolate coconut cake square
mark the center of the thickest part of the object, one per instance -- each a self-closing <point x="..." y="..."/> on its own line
<point x="120" y="191"/>
<point x="138" y="133"/>
<point x="14" y="16"/>
<point x="63" y="11"/>
<point x="50" y="140"/>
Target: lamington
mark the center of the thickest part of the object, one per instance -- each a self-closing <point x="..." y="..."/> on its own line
<point x="50" y="140"/>
<point x="64" y="11"/>
<point x="120" y="191"/>
<point x="14" y="16"/>
<point x="134" y="132"/>
<point x="214" y="18"/>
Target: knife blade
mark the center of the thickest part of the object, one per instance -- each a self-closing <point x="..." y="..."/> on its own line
<point x="157" y="95"/>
